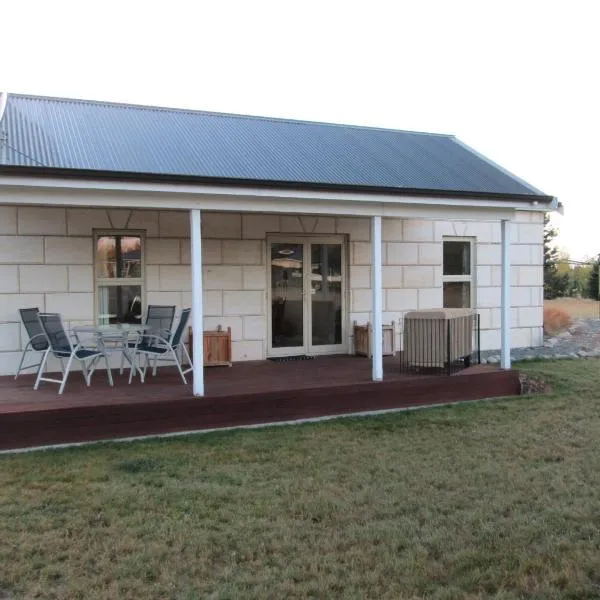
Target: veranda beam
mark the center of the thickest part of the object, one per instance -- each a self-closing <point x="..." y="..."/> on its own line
<point x="197" y="303"/>
<point x="377" y="302"/>
<point x="505" y="300"/>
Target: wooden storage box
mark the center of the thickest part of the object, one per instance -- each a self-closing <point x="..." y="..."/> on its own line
<point x="362" y="339"/>
<point x="217" y="347"/>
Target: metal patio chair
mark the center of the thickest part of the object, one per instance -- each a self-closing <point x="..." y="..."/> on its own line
<point x="159" y="321"/>
<point x="37" y="338"/>
<point x="61" y="345"/>
<point x="163" y="348"/>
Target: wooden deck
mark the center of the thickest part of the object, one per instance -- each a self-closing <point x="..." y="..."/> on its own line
<point x="245" y="394"/>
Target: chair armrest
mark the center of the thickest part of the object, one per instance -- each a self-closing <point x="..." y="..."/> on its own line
<point x="148" y="336"/>
<point x="38" y="335"/>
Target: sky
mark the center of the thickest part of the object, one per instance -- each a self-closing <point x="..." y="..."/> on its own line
<point x="516" y="80"/>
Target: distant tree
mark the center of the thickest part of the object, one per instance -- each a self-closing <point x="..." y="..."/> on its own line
<point x="592" y="287"/>
<point x="580" y="278"/>
<point x="556" y="283"/>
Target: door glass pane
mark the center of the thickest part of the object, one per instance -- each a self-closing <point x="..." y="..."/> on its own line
<point x="326" y="294"/>
<point x="119" y="304"/>
<point x="287" y="281"/>
<point x="457" y="294"/>
<point x="119" y="256"/>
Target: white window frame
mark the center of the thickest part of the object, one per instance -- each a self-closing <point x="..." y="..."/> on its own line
<point x="307" y="347"/>
<point x="470" y="279"/>
<point x="121" y="281"/>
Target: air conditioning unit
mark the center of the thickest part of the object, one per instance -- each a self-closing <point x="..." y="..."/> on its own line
<point x="438" y="337"/>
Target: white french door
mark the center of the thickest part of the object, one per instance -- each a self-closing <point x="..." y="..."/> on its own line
<point x="307" y="299"/>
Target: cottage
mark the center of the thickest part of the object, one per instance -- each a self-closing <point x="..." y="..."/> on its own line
<point x="286" y="231"/>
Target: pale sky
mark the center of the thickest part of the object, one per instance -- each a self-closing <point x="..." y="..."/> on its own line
<point x="517" y="80"/>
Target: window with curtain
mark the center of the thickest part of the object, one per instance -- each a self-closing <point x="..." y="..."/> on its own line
<point x="119" y="275"/>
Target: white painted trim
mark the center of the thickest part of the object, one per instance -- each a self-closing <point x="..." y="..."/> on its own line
<point x="505" y="301"/>
<point x="376" y="286"/>
<point x="305" y="240"/>
<point x="272" y="205"/>
<point x="197" y="303"/>
<point x="470" y="279"/>
<point x="212" y="197"/>
<point x="122" y="281"/>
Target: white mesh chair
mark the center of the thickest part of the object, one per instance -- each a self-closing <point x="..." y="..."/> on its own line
<point x="38" y="342"/>
<point x="163" y="348"/>
<point x="61" y="346"/>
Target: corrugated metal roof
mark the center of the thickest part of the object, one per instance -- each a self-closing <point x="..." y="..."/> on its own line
<point x="82" y="135"/>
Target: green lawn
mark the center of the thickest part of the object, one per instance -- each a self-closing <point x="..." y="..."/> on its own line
<point x="494" y="499"/>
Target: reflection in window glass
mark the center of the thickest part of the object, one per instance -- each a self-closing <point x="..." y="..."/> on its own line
<point x="119" y="279"/>
<point x="457" y="258"/>
<point x="119" y="256"/>
<point x="287" y="295"/>
<point x="119" y="304"/>
<point x="457" y="294"/>
<point x="326" y="294"/>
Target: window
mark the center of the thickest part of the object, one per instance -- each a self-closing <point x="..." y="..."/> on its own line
<point x="458" y="273"/>
<point x="119" y="269"/>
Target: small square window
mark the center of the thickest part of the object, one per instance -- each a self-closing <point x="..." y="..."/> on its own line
<point x="457" y="273"/>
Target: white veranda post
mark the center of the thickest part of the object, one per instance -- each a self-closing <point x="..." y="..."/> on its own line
<point x="197" y="308"/>
<point x="505" y="301"/>
<point x="377" y="301"/>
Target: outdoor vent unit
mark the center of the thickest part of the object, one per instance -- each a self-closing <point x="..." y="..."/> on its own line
<point x="439" y="338"/>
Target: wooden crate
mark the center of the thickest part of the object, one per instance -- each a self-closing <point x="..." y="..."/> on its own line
<point x="362" y="339"/>
<point x="217" y="347"/>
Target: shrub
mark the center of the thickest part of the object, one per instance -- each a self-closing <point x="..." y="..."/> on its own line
<point x="556" y="320"/>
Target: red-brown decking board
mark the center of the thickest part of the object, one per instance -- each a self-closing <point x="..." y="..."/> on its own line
<point x="246" y="394"/>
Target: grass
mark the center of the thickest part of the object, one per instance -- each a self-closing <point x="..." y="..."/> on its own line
<point x="485" y="500"/>
<point x="576" y="307"/>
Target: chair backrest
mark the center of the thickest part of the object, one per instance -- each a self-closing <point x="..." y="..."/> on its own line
<point x="183" y="320"/>
<point x="160" y="319"/>
<point x="29" y="316"/>
<point x="55" y="332"/>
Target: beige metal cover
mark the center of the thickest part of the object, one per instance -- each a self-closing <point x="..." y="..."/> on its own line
<point x="435" y="337"/>
<point x="439" y="313"/>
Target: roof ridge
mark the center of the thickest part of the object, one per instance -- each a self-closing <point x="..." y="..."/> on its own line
<point x="223" y="114"/>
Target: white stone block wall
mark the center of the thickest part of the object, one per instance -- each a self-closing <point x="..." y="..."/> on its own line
<point x="46" y="260"/>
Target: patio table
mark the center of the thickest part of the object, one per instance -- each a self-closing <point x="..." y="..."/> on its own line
<point x="114" y="338"/>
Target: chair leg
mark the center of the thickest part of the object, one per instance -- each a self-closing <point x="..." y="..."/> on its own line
<point x="22" y="360"/>
<point x="87" y="375"/>
<point x="66" y="374"/>
<point x="178" y="366"/>
<point x="41" y="369"/>
<point x="108" y="371"/>
<point x="122" y="362"/>
<point x="187" y="355"/>
<point x="143" y="371"/>
<point x="132" y="366"/>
